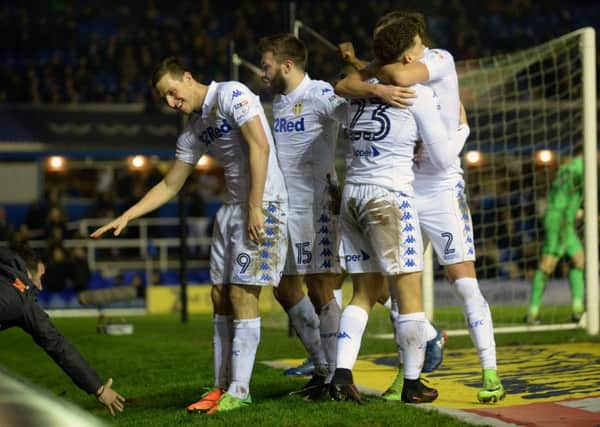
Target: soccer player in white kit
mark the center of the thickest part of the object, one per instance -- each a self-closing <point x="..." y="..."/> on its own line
<point x="306" y="115"/>
<point x="249" y="242"/>
<point x="442" y="205"/>
<point x="380" y="226"/>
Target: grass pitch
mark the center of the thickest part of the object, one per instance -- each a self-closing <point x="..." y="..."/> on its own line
<point x="163" y="366"/>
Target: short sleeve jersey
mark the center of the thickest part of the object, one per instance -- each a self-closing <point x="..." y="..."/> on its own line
<point x="306" y="125"/>
<point x="216" y="129"/>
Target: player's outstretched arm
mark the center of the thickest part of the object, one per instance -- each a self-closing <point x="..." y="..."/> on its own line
<point x="258" y="148"/>
<point x="110" y="398"/>
<point x="158" y="195"/>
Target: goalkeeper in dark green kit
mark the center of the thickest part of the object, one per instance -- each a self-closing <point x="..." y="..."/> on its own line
<point x="564" y="200"/>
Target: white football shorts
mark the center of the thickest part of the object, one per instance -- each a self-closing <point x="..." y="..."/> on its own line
<point x="313" y="240"/>
<point x="380" y="231"/>
<point x="446" y="221"/>
<point x="235" y="259"/>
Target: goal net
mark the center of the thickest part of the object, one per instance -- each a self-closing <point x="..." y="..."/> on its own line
<point x="527" y="112"/>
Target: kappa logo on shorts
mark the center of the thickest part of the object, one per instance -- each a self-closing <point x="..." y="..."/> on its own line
<point x="324" y="219"/>
<point x="326" y="252"/>
<point x="325" y="241"/>
<point x="410" y="239"/>
<point x="410" y="263"/>
<point x="326" y="264"/>
<point x="344" y="334"/>
<point x="410" y="251"/>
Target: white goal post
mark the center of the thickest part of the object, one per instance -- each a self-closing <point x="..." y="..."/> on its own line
<point x="542" y="98"/>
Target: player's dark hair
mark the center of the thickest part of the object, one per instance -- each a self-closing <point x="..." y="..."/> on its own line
<point x="394" y="39"/>
<point x="413" y="15"/>
<point x="26" y="258"/>
<point x="284" y="47"/>
<point x="172" y="66"/>
<point x="395" y="15"/>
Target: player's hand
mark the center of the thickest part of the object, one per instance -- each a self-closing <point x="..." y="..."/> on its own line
<point x="462" y="115"/>
<point x="256" y="219"/>
<point x="110" y="398"/>
<point x="396" y="96"/>
<point x="346" y="50"/>
<point x="118" y="224"/>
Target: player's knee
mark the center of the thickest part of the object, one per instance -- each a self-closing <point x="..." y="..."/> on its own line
<point x="220" y="299"/>
<point x="244" y="301"/>
<point x="460" y="270"/>
<point x="288" y="296"/>
<point x="578" y="260"/>
<point x="320" y="290"/>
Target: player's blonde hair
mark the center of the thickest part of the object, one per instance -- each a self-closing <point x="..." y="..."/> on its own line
<point x="284" y="47"/>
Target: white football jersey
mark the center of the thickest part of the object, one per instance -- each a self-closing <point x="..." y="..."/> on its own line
<point x="227" y="106"/>
<point x="444" y="81"/>
<point x="383" y="139"/>
<point x="305" y="126"/>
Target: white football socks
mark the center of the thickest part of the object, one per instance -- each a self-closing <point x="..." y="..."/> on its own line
<point x="352" y="326"/>
<point x="222" y="339"/>
<point x="479" y="320"/>
<point x="338" y="295"/>
<point x="246" y="336"/>
<point x="411" y="336"/>
<point x="306" y="324"/>
<point x="329" y="325"/>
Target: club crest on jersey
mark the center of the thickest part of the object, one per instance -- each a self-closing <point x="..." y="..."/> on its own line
<point x="297" y="108"/>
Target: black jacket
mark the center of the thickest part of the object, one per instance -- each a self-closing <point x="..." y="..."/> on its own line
<point x="19" y="307"/>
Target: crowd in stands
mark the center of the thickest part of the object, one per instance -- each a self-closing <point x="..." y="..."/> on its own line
<point x="64" y="52"/>
<point x="52" y="220"/>
<point x="79" y="51"/>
